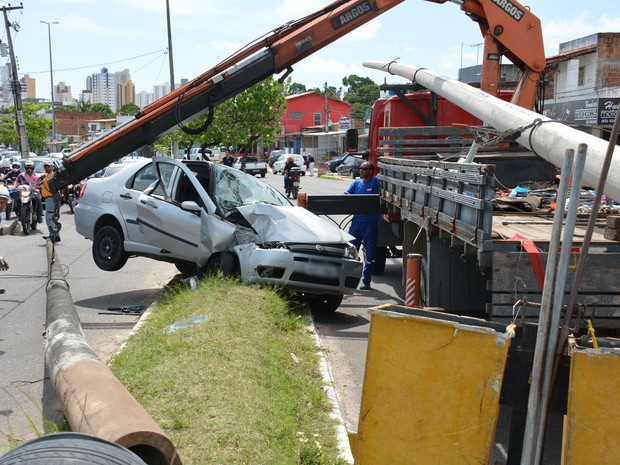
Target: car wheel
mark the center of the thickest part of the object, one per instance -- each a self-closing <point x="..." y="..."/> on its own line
<point x="223" y="262"/>
<point x="262" y="175"/>
<point x="352" y="174"/>
<point x="327" y="303"/>
<point x="108" y="251"/>
<point x="185" y="268"/>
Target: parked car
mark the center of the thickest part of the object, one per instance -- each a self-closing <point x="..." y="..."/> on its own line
<point x="273" y="156"/>
<point x="252" y="165"/>
<point x="278" y="166"/>
<point x="205" y="217"/>
<point x="195" y="153"/>
<point x="333" y="165"/>
<point x="351" y="164"/>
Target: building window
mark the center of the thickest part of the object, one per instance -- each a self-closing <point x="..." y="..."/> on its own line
<point x="296" y="115"/>
<point x="581" y="78"/>
<point x="318" y="120"/>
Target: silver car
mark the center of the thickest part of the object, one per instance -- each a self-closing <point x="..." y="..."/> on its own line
<point x="206" y="217"/>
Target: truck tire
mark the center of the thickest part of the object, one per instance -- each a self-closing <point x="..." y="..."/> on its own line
<point x="74" y="448"/>
<point x="108" y="251"/>
<point x="380" y="258"/>
<point x="326" y="303"/>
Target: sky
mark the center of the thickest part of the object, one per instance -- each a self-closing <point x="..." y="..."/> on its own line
<point x="132" y="34"/>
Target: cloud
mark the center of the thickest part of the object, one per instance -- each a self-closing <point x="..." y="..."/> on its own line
<point x="560" y="30"/>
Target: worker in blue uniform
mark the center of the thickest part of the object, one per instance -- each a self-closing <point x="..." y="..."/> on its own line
<point x="365" y="227"/>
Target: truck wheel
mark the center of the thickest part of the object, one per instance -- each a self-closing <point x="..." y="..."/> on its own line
<point x="108" y="251"/>
<point x="380" y="257"/>
<point x="327" y="303"/>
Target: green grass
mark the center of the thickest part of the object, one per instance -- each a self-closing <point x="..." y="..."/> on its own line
<point x="243" y="387"/>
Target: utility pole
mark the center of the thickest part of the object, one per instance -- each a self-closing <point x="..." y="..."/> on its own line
<point x="49" y="38"/>
<point x="175" y="145"/>
<point x="326" y="110"/>
<point x="20" y="123"/>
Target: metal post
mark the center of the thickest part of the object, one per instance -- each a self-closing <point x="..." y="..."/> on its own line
<point x="49" y="37"/>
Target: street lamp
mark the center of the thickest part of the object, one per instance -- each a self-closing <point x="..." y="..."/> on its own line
<point x="49" y="36"/>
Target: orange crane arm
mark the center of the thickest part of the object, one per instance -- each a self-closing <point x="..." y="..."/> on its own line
<point x="512" y="30"/>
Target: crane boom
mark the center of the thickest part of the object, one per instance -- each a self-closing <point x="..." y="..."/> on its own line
<point x="277" y="51"/>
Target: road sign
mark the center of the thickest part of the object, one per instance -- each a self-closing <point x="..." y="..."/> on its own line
<point x="344" y="123"/>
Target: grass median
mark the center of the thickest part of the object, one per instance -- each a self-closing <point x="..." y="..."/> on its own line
<point x="241" y="387"/>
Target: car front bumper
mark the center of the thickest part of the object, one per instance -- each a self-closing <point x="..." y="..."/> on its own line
<point x="299" y="272"/>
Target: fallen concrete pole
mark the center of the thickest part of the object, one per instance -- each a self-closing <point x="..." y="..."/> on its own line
<point x="93" y="399"/>
<point x="550" y="139"/>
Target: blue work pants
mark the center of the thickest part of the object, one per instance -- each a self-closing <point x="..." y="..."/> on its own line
<point x="366" y="234"/>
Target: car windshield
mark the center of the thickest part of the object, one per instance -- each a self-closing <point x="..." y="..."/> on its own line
<point x="234" y="189"/>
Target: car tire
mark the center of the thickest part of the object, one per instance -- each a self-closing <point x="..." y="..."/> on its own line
<point x="352" y="174"/>
<point x="185" y="268"/>
<point x="223" y="262"/>
<point x="327" y="303"/>
<point x="262" y="175"/>
<point x="108" y="251"/>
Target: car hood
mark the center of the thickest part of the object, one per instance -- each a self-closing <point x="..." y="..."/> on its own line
<point x="291" y="224"/>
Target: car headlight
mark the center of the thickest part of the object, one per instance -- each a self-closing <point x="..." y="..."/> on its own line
<point x="351" y="252"/>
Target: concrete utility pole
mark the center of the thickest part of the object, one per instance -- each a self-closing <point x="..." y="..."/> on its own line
<point x="20" y="122"/>
<point x="175" y="146"/>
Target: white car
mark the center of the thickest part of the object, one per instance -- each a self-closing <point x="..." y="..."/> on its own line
<point x="205" y="217"/>
<point x="278" y="165"/>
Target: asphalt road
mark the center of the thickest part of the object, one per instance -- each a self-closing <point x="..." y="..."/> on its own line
<point x="27" y="400"/>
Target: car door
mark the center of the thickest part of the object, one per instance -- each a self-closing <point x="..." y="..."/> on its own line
<point x="180" y="217"/>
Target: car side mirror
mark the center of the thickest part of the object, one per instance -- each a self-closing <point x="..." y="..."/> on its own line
<point x="191" y="206"/>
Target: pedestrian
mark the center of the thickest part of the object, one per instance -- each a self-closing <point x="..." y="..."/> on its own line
<point x="51" y="197"/>
<point x="4" y="200"/>
<point x="228" y="159"/>
<point x="311" y="165"/>
<point x="365" y="227"/>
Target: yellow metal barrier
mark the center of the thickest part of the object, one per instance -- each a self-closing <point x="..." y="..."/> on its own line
<point x="592" y="422"/>
<point x="431" y="388"/>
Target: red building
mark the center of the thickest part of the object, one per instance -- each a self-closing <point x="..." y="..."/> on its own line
<point x="306" y="114"/>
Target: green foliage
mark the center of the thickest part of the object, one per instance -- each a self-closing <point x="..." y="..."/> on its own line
<point x="83" y="105"/>
<point x="296" y="88"/>
<point x="129" y="109"/>
<point x="36" y="126"/>
<point x="360" y="92"/>
<point x="104" y="109"/>
<point x="242" y="387"/>
<point x="252" y="115"/>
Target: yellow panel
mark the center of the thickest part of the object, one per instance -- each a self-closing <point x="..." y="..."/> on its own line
<point x="431" y="389"/>
<point x="593" y="411"/>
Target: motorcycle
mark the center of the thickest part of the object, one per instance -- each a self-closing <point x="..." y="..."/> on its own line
<point x="293" y="183"/>
<point x="28" y="209"/>
<point x="71" y="194"/>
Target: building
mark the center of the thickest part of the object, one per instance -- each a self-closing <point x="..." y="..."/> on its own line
<point x="312" y="123"/>
<point x="62" y="94"/>
<point x="113" y="90"/>
<point x="29" y="87"/>
<point x="582" y="83"/>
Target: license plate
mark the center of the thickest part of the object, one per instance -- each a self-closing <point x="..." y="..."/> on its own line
<point x="321" y="270"/>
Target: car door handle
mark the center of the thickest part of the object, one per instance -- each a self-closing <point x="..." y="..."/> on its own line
<point x="126" y="196"/>
<point x="149" y="202"/>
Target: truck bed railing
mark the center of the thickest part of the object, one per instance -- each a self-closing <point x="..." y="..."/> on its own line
<point x="454" y="197"/>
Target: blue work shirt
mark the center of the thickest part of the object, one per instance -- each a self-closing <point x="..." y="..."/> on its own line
<point x="360" y="187"/>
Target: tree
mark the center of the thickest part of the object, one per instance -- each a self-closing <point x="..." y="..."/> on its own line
<point x="129" y="109"/>
<point x="36" y="127"/>
<point x="296" y="88"/>
<point x="360" y="92"/>
<point x="104" y="109"/>
<point x="252" y="115"/>
<point x="83" y="105"/>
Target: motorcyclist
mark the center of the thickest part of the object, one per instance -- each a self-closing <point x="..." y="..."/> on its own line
<point x="51" y="197"/>
<point x="290" y="164"/>
<point x="11" y="176"/>
<point x="30" y="178"/>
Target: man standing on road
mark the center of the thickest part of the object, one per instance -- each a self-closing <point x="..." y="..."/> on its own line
<point x="228" y="159"/>
<point x="51" y="196"/>
<point x="4" y="200"/>
<point x="365" y="228"/>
